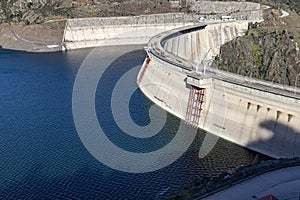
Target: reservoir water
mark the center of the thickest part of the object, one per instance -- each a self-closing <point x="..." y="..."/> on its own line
<point x="42" y="156"/>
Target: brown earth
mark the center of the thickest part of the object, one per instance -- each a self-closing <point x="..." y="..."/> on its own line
<point x="32" y="38"/>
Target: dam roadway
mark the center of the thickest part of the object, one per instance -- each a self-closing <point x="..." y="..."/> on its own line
<point x="282" y="183"/>
<point x="260" y="115"/>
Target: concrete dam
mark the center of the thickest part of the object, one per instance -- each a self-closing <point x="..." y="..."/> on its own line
<point x="92" y="32"/>
<point x="177" y="76"/>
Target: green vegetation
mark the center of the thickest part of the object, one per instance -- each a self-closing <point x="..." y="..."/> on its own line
<point x="26" y="22"/>
<point x="255" y="49"/>
<point x="258" y="59"/>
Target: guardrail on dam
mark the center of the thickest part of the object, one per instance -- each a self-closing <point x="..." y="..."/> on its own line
<point x="91" y="32"/>
<point x="259" y="115"/>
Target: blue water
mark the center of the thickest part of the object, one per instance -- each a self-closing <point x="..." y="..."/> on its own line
<point x="42" y="157"/>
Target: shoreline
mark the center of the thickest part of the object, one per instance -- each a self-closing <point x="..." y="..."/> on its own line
<point x="234" y="177"/>
<point x="31" y="38"/>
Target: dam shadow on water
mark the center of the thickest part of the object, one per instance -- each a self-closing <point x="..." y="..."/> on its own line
<point x="43" y="157"/>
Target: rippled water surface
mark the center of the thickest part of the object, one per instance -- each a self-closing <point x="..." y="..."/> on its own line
<point x="41" y="155"/>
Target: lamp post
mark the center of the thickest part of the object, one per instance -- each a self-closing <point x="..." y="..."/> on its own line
<point x="251" y="72"/>
<point x="296" y="82"/>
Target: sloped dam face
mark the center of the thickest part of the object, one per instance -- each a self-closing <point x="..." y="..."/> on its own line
<point x="110" y="31"/>
<point x="256" y="114"/>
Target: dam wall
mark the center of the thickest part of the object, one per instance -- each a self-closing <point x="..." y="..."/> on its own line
<point x="204" y="45"/>
<point x="259" y="115"/>
<point x="91" y="32"/>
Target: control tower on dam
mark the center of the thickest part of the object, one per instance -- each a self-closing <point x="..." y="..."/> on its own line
<point x="177" y="76"/>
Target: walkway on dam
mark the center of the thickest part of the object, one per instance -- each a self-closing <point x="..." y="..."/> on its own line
<point x="282" y="184"/>
<point x="156" y="47"/>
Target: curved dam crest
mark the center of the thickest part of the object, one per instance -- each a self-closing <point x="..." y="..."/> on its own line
<point x="256" y="114"/>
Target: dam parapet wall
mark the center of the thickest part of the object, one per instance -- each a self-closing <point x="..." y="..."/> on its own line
<point x="91" y="32"/>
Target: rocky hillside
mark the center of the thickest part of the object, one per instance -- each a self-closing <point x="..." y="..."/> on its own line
<point x="268" y="51"/>
<point x="38" y="11"/>
<point x="290" y="5"/>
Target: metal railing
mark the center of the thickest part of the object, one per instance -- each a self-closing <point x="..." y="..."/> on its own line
<point x="271" y="87"/>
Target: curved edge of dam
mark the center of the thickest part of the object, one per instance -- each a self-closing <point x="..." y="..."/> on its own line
<point x="259" y="115"/>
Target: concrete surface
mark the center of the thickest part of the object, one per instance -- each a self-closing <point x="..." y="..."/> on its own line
<point x="197" y="46"/>
<point x="282" y="184"/>
<point x="91" y="32"/>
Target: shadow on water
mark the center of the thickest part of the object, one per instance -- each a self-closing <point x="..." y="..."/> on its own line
<point x="282" y="143"/>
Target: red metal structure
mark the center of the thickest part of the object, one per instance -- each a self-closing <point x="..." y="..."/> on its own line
<point x="194" y="107"/>
<point x="268" y="197"/>
<point x="144" y="67"/>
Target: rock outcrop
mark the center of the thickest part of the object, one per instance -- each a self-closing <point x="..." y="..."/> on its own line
<point x="268" y="51"/>
<point x="33" y="11"/>
<point x="38" y="11"/>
